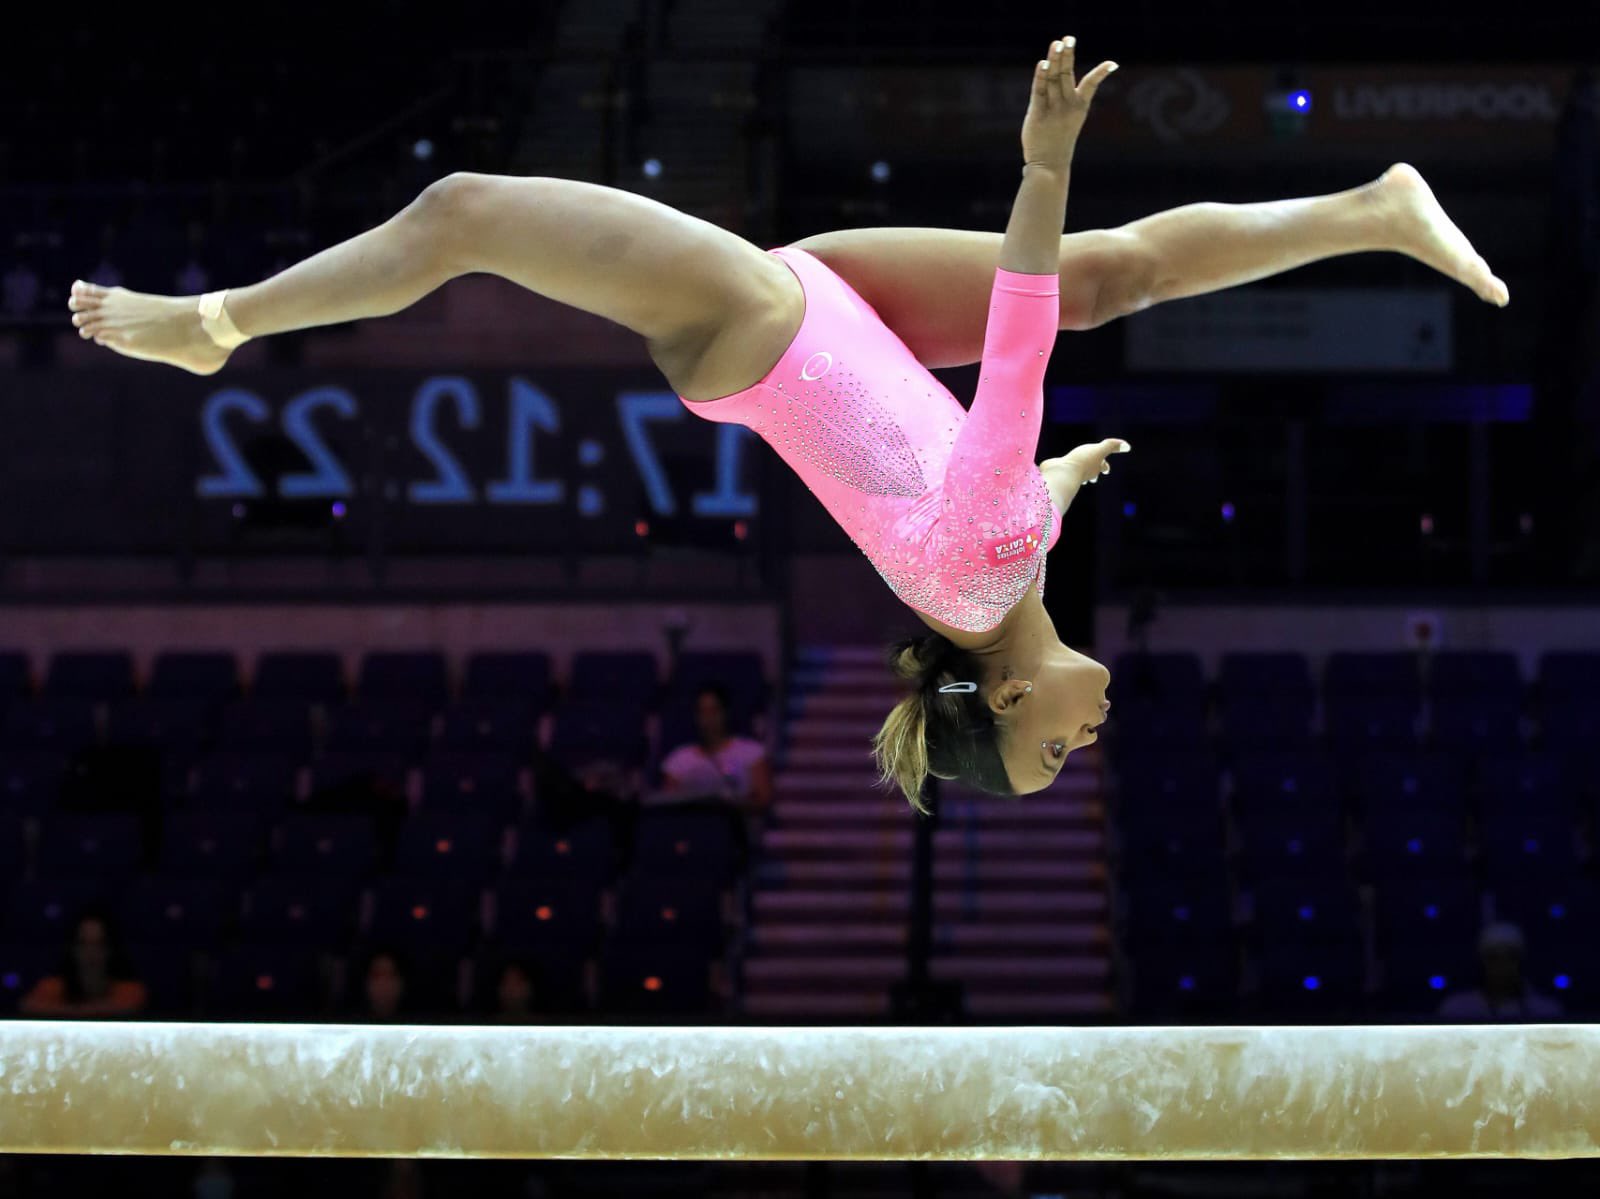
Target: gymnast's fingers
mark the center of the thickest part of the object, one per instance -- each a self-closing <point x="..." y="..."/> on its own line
<point x="1092" y="81"/>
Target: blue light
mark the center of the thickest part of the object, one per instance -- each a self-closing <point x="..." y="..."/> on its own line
<point x="1562" y="982"/>
<point x="1186" y="983"/>
<point x="1181" y="912"/>
<point x="1530" y="845"/>
<point x="1437" y="982"/>
<point x="652" y="168"/>
<point x="1300" y="101"/>
<point x="1227" y="512"/>
<point x="1414" y="845"/>
<point x="590" y="501"/>
<point x="1558" y="911"/>
<point x="590" y="452"/>
<point x="11" y="980"/>
<point x="1129" y="508"/>
<point x="1431" y="911"/>
<point x="880" y="172"/>
<point x="1312" y="982"/>
<point x="1295" y="846"/>
<point x="1307" y="912"/>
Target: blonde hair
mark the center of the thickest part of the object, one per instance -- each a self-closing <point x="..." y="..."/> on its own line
<point x="948" y="735"/>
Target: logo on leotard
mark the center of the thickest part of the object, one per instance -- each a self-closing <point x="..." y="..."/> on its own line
<point x="1009" y="549"/>
<point x="817" y="365"/>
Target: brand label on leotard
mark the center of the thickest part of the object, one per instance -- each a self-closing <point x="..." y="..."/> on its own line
<point x="1008" y="549"/>
<point x="817" y="365"/>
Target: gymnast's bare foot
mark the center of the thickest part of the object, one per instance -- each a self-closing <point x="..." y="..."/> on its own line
<point x="154" y="328"/>
<point x="1419" y="227"/>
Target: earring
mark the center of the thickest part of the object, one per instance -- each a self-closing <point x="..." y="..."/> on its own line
<point x="1028" y="690"/>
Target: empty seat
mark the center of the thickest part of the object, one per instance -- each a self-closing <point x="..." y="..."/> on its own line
<point x="13" y="676"/>
<point x="1184" y="983"/>
<point x="1179" y="844"/>
<point x="463" y="846"/>
<point x="210" y="676"/>
<point x="1394" y="675"/>
<point x="1562" y="911"/>
<point x="420" y="676"/>
<point x="47" y="910"/>
<point x="1163" y="679"/>
<point x="583" y="853"/>
<point x="639" y="979"/>
<point x="1413" y="782"/>
<point x="1474" y="672"/>
<point x="1417" y="980"/>
<point x="1567" y="676"/>
<point x="1306" y="911"/>
<point x="1267" y="783"/>
<point x="486" y="783"/>
<point x="1442" y="911"/>
<point x="59" y="725"/>
<point x="359" y="779"/>
<point x="104" y="847"/>
<point x="1468" y="723"/>
<point x="259" y="783"/>
<point x="100" y="675"/>
<point x="1191" y="912"/>
<point x="424" y="916"/>
<point x="699" y="841"/>
<point x="489" y="725"/>
<point x="537" y="914"/>
<point x="181" y="911"/>
<point x="332" y="844"/>
<point x="1304" y="843"/>
<point x="1281" y="675"/>
<point x="522" y="675"/>
<point x="1527" y="780"/>
<point x="273" y="725"/>
<point x="1404" y="844"/>
<point x="30" y="781"/>
<point x="179" y="724"/>
<point x="1362" y="723"/>
<point x="612" y="676"/>
<point x="611" y="730"/>
<point x="311" y="676"/>
<point x="292" y="909"/>
<point x="396" y="725"/>
<point x="685" y="912"/>
<point x="210" y="844"/>
<point x="1162" y="783"/>
<point x="1264" y="721"/>
<point x="266" y="982"/>
<point x="1312" y="983"/>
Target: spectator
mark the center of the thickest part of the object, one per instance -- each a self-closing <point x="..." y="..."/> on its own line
<point x="19" y="290"/>
<point x="1505" y="994"/>
<point x="717" y="764"/>
<point x="515" y="994"/>
<point x="384" y="988"/>
<point x="96" y="978"/>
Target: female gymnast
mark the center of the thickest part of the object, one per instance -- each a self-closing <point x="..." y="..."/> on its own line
<point x="823" y="348"/>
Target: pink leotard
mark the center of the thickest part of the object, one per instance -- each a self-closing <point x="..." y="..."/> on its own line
<point x="946" y="502"/>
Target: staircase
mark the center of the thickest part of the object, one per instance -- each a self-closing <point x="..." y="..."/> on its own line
<point x="1019" y="885"/>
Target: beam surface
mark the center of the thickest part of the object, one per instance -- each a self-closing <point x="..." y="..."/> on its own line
<point x="756" y="1093"/>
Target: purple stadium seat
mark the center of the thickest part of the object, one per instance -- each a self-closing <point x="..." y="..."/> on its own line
<point x="424" y="916"/>
<point x="180" y="724"/>
<point x="523" y="676"/>
<point x="1299" y="843"/>
<point x="1310" y="983"/>
<point x="266" y="982"/>
<point x="1393" y="675"/>
<point x="401" y="726"/>
<point x="1306" y="911"/>
<point x="419" y="675"/>
<point x="261" y="784"/>
<point x="291" y="909"/>
<point x="609" y="730"/>
<point x="30" y="781"/>
<point x="45" y="910"/>
<point x="696" y="841"/>
<point x="1439" y="911"/>
<point x="460" y="846"/>
<point x="638" y="979"/>
<point x="313" y="677"/>
<point x="97" y="675"/>
<point x="614" y="676"/>
<point x="1178" y="911"/>
<point x="1418" y="782"/>
<point x="486" y="783"/>
<point x="533" y="914"/>
<point x="78" y="846"/>
<point x="330" y="844"/>
<point x="57" y="725"/>
<point x="273" y="725"/>
<point x="211" y="676"/>
<point x="218" y="845"/>
<point x="1412" y="844"/>
<point x="584" y="853"/>
<point x="1184" y="982"/>
<point x="176" y="911"/>
<point x="680" y="912"/>
<point x="489" y="725"/>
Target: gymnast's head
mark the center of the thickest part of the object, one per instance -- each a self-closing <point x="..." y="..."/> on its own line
<point x="984" y="721"/>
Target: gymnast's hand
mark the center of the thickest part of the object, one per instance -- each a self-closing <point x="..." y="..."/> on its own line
<point x="1058" y="106"/>
<point x="1086" y="463"/>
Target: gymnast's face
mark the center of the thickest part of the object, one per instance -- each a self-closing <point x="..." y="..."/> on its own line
<point x="1046" y="724"/>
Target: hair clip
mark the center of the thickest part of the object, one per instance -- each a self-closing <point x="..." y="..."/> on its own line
<point x="948" y="687"/>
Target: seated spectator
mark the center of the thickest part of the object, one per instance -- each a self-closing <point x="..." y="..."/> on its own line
<point x="515" y="998"/>
<point x="96" y="978"/>
<point x="718" y="765"/>
<point x="1505" y="994"/>
<point x="383" y="989"/>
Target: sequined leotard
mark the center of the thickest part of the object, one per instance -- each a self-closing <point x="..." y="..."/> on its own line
<point x="946" y="502"/>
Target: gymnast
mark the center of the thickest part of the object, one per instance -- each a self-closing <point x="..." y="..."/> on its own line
<point x="823" y="348"/>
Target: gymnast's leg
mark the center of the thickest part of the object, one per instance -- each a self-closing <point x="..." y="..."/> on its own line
<point x="931" y="286"/>
<point x="676" y="280"/>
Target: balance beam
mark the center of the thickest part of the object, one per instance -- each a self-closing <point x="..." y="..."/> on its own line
<point x="753" y="1093"/>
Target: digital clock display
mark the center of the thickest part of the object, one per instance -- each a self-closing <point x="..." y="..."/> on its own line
<point x="572" y="458"/>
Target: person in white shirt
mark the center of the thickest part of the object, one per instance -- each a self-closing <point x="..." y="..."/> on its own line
<point x="717" y="764"/>
<point x="1505" y="995"/>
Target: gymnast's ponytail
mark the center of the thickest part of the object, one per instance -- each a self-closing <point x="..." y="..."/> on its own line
<point x="950" y="735"/>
